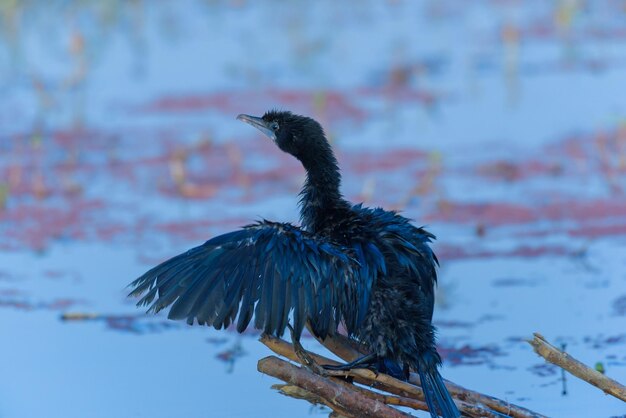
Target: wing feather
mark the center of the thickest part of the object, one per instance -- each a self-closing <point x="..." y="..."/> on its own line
<point x="266" y="270"/>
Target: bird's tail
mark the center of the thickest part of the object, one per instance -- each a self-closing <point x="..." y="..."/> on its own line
<point x="437" y="396"/>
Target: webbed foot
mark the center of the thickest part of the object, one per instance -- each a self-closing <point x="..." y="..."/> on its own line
<point x="369" y="361"/>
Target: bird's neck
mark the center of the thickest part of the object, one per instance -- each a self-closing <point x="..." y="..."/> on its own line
<point x="320" y="198"/>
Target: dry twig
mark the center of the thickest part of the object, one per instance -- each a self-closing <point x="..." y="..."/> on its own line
<point x="348" y="350"/>
<point x="575" y="367"/>
<point x="408" y="394"/>
<point x="341" y="398"/>
<point x="362" y="376"/>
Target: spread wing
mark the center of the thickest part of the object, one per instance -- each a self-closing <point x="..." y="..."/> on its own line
<point x="269" y="270"/>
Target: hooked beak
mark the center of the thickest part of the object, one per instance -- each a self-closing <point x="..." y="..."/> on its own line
<point x="258" y="123"/>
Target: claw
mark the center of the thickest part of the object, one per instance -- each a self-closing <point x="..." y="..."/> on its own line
<point x="304" y="357"/>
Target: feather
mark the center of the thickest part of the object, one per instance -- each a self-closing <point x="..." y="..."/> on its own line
<point x="437" y="397"/>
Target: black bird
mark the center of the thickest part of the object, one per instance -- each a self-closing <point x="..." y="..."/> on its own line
<point x="368" y="269"/>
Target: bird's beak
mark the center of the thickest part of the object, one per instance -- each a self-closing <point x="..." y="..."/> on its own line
<point x="258" y="123"/>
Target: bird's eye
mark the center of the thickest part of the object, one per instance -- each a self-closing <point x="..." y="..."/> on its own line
<point x="274" y="126"/>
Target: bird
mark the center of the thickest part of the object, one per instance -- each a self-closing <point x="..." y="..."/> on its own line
<point x="368" y="270"/>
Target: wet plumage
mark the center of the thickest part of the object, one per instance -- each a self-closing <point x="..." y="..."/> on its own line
<point x="368" y="269"/>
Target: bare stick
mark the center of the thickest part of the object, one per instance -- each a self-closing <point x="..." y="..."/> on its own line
<point x="79" y="316"/>
<point x="467" y="410"/>
<point x="349" y="350"/>
<point x="575" y="367"/>
<point x="388" y="399"/>
<point x="363" y="376"/>
<point x="342" y="397"/>
<point x="297" y="392"/>
<point x="410" y="395"/>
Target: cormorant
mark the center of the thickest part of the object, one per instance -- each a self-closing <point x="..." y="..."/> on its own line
<point x="369" y="269"/>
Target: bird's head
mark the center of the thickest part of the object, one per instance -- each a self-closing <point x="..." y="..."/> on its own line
<point x="297" y="135"/>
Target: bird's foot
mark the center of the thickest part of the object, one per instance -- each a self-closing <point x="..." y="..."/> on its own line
<point x="304" y="357"/>
<point x="366" y="362"/>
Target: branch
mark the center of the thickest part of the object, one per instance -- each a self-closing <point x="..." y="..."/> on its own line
<point x="340" y="398"/>
<point x="387" y="399"/>
<point x="407" y="394"/>
<point x="362" y="376"/>
<point x="297" y="392"/>
<point x="575" y="367"/>
<point x="349" y="350"/>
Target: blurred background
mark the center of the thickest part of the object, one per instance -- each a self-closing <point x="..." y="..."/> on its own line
<point x="499" y="124"/>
